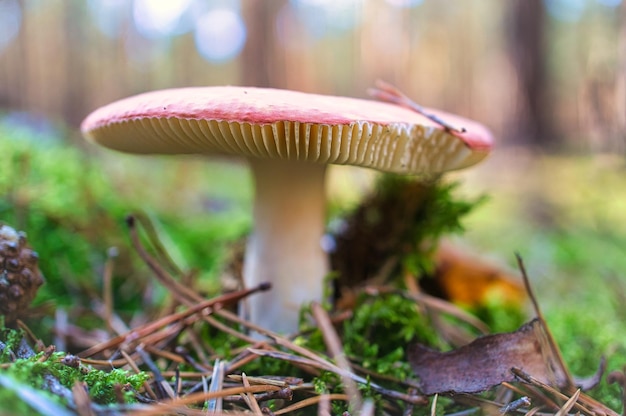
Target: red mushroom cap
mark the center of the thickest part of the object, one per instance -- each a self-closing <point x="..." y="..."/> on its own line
<point x="272" y="123"/>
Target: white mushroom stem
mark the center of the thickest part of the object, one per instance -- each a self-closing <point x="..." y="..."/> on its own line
<point x="285" y="246"/>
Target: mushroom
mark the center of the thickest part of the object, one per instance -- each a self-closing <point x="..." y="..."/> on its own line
<point x="288" y="138"/>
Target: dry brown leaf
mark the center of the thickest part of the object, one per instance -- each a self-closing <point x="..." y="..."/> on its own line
<point x="485" y="362"/>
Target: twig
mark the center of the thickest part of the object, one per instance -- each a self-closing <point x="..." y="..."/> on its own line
<point x="135" y="368"/>
<point x="82" y="400"/>
<point x="249" y="397"/>
<point x="202" y="397"/>
<point x="327" y="366"/>
<point x="310" y="401"/>
<point x="180" y="292"/>
<point x="337" y="352"/>
<point x="387" y="92"/>
<point x="258" y="380"/>
<point x="368" y="408"/>
<point x="282" y="394"/>
<point x="412" y="384"/>
<point x="533" y="381"/>
<point x="107" y="290"/>
<point x="154" y="240"/>
<point x="433" y="406"/>
<point x="530" y="390"/>
<point x="323" y="406"/>
<point x="568" y="404"/>
<point x="551" y="342"/>
<point x="149" y="328"/>
<point x="217" y="381"/>
<point x="162" y="385"/>
<point x="515" y="405"/>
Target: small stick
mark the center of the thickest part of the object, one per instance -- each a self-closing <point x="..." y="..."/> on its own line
<point x="135" y="368"/>
<point x="368" y="408"/>
<point x="82" y="399"/>
<point x="551" y="341"/>
<point x="323" y="408"/>
<point x="319" y="363"/>
<point x="202" y="397"/>
<point x="515" y="405"/>
<point x="311" y="401"/>
<point x="433" y="406"/>
<point x="333" y="343"/>
<point x="107" y="289"/>
<point x="533" y="381"/>
<point x="178" y="381"/>
<point x="153" y="238"/>
<point x="165" y="389"/>
<point x="387" y="92"/>
<point x="214" y="405"/>
<point x="180" y="292"/>
<point x="250" y="399"/>
<point x="150" y="327"/>
<point x="282" y="394"/>
<point x="563" y="411"/>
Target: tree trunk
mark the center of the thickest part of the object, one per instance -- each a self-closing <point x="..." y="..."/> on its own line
<point x="527" y="45"/>
<point x="259" y="56"/>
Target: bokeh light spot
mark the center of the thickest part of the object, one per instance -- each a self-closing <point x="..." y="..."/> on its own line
<point x="158" y="18"/>
<point x="109" y="15"/>
<point x="610" y="3"/>
<point x="404" y="4"/>
<point x="566" y="10"/>
<point x="220" y="34"/>
<point x="327" y="17"/>
<point x="10" y="22"/>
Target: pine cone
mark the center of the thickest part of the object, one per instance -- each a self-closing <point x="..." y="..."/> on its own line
<point x="20" y="276"/>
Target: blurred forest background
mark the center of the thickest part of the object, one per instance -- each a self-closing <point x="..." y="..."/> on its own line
<point x="548" y="77"/>
<point x="546" y="73"/>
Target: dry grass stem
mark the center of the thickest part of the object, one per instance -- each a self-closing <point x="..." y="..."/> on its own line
<point x="217" y="382"/>
<point x="249" y="397"/>
<point x="585" y="404"/>
<point x="556" y="352"/>
<point x="151" y="328"/>
<point x="82" y="400"/>
<point x="310" y="402"/>
<point x="568" y="404"/>
<point x="433" y="406"/>
<point x="333" y="343"/>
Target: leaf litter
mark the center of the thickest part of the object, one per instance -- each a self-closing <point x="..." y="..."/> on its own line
<point x="523" y="369"/>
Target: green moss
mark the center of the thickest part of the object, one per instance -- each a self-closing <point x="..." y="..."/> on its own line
<point x="100" y="384"/>
<point x="32" y="371"/>
<point x="380" y="329"/>
<point x="73" y="211"/>
<point x="440" y="212"/>
<point x="402" y="220"/>
<point x="585" y="339"/>
<point x="500" y="316"/>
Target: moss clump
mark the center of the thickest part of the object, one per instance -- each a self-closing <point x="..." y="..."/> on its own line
<point x="381" y="328"/>
<point x="402" y="219"/>
<point x="100" y="384"/>
<point x="58" y="371"/>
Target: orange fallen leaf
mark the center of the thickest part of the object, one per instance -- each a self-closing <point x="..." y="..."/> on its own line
<point x="467" y="278"/>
